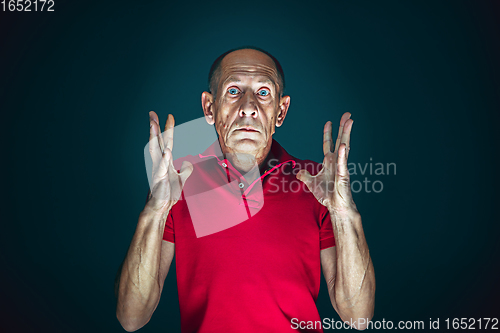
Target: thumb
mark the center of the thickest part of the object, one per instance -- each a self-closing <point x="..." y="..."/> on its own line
<point x="186" y="170"/>
<point x="305" y="177"/>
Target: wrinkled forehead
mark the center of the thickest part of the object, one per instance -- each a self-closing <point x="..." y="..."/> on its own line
<point x="248" y="62"/>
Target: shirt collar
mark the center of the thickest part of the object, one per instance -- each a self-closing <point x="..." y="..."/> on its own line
<point x="279" y="153"/>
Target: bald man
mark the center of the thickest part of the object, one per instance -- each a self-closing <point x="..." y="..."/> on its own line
<point x="260" y="272"/>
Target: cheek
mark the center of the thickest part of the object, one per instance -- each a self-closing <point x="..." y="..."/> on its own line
<point x="270" y="125"/>
<point x="222" y="124"/>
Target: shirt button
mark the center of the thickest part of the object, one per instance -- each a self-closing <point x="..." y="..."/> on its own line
<point x="224" y="165"/>
<point x="241" y="185"/>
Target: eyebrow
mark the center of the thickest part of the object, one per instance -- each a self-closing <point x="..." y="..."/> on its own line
<point x="266" y="81"/>
<point x="231" y="79"/>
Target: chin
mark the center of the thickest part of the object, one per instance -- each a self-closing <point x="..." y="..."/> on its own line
<point x="246" y="146"/>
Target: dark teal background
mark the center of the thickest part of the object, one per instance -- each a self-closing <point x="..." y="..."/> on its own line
<point x="421" y="80"/>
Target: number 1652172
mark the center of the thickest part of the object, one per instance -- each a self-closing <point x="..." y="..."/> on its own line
<point x="27" y="5"/>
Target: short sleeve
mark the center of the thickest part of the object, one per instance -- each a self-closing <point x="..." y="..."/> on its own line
<point x="168" y="233"/>
<point x="326" y="236"/>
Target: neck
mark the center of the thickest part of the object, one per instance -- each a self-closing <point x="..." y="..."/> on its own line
<point x="247" y="163"/>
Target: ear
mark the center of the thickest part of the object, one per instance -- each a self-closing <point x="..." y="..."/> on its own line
<point x="284" y="105"/>
<point x="207" y="101"/>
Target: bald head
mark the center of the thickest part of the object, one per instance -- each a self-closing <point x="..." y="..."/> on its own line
<point x="245" y="57"/>
<point x="245" y="104"/>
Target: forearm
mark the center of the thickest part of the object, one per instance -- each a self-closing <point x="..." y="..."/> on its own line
<point x="139" y="287"/>
<point x="354" y="289"/>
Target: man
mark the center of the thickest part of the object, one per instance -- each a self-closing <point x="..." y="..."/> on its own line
<point x="261" y="274"/>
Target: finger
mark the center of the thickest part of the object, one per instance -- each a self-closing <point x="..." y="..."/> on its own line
<point x="152" y="123"/>
<point x="343" y="120"/>
<point x="168" y="135"/>
<point x="327" y="138"/>
<point x="162" y="169"/>
<point x="154" y="116"/>
<point x="346" y="134"/>
<point x="154" y="147"/>
<point x="177" y="180"/>
<point x="330" y="161"/>
<point x="342" y="171"/>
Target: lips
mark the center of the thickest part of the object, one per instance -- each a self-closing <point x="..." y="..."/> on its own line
<point x="247" y="129"/>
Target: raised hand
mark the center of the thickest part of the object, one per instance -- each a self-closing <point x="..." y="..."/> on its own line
<point x="331" y="186"/>
<point x="166" y="182"/>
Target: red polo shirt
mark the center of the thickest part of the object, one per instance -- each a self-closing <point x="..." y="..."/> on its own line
<point x="247" y="254"/>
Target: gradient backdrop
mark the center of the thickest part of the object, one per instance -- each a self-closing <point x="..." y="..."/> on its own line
<point x="421" y="80"/>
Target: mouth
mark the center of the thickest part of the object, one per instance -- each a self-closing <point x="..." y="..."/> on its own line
<point x="247" y="129"/>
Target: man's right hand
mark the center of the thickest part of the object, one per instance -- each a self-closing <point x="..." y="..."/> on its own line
<point x="142" y="274"/>
<point x="166" y="182"/>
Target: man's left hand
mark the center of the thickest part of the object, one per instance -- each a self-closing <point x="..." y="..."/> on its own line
<point x="331" y="186"/>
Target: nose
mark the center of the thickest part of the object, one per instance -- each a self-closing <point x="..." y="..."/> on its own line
<point x="249" y="107"/>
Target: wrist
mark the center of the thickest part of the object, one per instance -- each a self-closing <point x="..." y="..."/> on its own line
<point x="149" y="212"/>
<point x="345" y="214"/>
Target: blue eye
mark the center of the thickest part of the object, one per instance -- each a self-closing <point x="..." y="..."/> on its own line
<point x="232" y="91"/>
<point x="263" y="92"/>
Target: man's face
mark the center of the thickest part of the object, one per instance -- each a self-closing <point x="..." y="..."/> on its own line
<point x="247" y="107"/>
